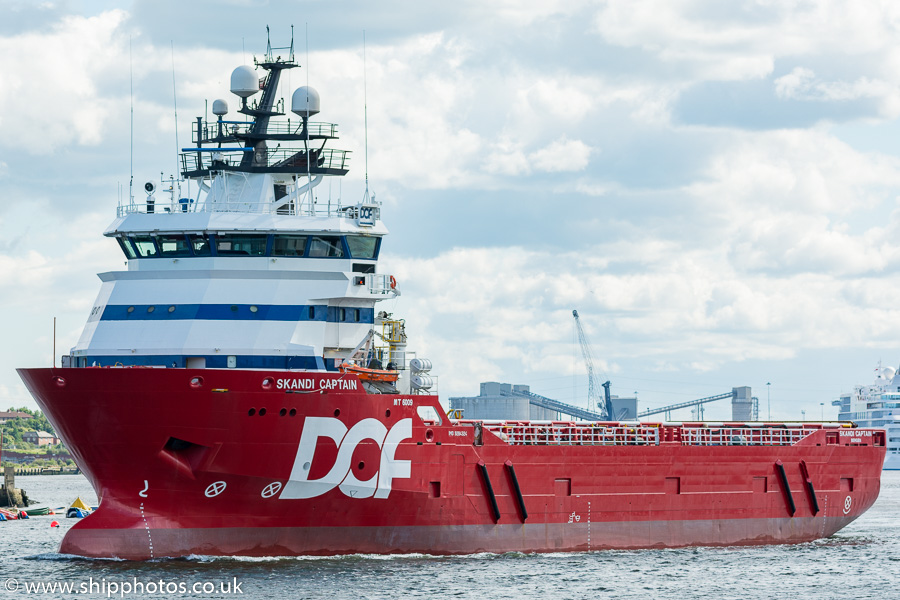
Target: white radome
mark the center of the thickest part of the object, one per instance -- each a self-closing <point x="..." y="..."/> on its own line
<point x="219" y="107"/>
<point x="305" y="101"/>
<point x="244" y="82"/>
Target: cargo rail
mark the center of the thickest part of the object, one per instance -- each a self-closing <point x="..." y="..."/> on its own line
<point x="560" y="433"/>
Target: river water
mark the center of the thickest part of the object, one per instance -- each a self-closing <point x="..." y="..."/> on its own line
<point x="861" y="561"/>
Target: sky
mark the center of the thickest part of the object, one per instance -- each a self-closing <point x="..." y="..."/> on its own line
<point x="713" y="186"/>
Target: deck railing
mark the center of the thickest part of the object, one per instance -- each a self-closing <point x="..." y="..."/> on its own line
<point x="210" y="129"/>
<point x="558" y="433"/>
<point x="571" y="434"/>
<point x="742" y="436"/>
<point x="288" y="159"/>
<point x="186" y="205"/>
<point x="378" y="283"/>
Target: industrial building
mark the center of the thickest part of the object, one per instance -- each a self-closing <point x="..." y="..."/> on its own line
<point x="516" y="402"/>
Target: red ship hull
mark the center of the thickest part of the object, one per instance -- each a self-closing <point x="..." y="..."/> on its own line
<point x="257" y="463"/>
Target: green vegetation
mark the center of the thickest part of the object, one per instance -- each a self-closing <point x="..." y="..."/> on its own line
<point x="37" y="422"/>
<point x="46" y="462"/>
<point x="12" y="439"/>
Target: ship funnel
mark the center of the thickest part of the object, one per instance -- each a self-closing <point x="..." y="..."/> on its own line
<point x="220" y="107"/>
<point x="244" y="82"/>
<point x="305" y="101"/>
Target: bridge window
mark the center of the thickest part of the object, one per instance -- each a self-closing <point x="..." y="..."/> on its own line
<point x="200" y="245"/>
<point x="145" y="246"/>
<point x="362" y="246"/>
<point x="127" y="248"/>
<point x="289" y="245"/>
<point x="173" y="245"/>
<point x="241" y="245"/>
<point x="322" y="246"/>
<point x="245" y="244"/>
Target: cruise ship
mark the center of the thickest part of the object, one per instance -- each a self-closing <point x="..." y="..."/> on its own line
<point x="877" y="405"/>
<point x="236" y="391"/>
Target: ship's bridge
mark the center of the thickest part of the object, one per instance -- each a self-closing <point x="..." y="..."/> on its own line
<point x="211" y="285"/>
<point x="204" y="234"/>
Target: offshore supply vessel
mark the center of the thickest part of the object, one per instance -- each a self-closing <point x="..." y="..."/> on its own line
<point x="235" y="391"/>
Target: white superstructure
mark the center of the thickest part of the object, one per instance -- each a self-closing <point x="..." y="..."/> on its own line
<point x="253" y="270"/>
<point x="877" y="405"/>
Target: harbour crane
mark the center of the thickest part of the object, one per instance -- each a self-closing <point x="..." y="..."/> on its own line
<point x="593" y="388"/>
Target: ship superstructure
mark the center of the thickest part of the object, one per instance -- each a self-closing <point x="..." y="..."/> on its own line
<point x="877" y="405"/>
<point x="236" y="391"/>
<point x="253" y="271"/>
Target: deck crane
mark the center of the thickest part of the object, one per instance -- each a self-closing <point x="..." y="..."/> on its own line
<point x="593" y="397"/>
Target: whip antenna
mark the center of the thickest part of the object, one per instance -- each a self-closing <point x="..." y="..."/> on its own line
<point x="312" y="208"/>
<point x="366" y="114"/>
<point x="175" y="107"/>
<point x="131" y="92"/>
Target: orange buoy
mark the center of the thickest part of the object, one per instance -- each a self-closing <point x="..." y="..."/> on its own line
<point x="54" y="524"/>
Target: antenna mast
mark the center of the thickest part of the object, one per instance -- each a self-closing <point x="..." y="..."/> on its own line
<point x="366" y="114"/>
<point x="312" y="208"/>
<point x="131" y="92"/>
<point x="175" y="107"/>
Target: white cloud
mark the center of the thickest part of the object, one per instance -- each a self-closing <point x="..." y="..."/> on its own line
<point x="685" y="309"/>
<point x="522" y="13"/>
<point x="797" y="171"/>
<point x="561" y="155"/>
<point x="802" y="84"/>
<point x="837" y="51"/>
<point x="48" y="81"/>
<point x="706" y="30"/>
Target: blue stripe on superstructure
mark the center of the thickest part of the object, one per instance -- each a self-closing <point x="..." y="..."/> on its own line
<point x="213" y="361"/>
<point x="236" y="312"/>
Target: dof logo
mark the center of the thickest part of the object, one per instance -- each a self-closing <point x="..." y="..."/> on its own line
<point x="378" y="486"/>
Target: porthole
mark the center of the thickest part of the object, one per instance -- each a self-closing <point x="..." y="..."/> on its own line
<point x="282" y="412"/>
<point x="387" y="413"/>
<point x="253" y="309"/>
<point x="150" y="309"/>
<point x="251" y="412"/>
<point x="337" y="412"/>
<point x="262" y="412"/>
<point x="234" y="308"/>
<point x="171" y="309"/>
<point x="293" y="412"/>
<point x="131" y="309"/>
<point x="361" y="465"/>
